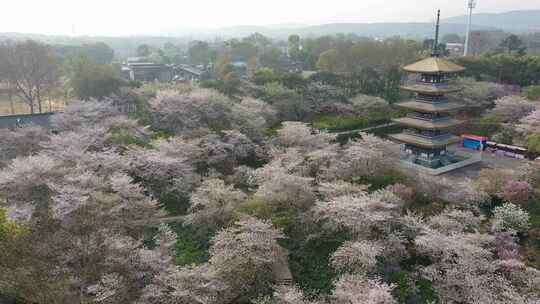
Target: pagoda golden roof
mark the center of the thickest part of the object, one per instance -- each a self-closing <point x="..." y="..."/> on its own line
<point x="425" y="142"/>
<point x="429" y="107"/>
<point x="434" y="65"/>
<point x="430" y="89"/>
<point x="436" y="124"/>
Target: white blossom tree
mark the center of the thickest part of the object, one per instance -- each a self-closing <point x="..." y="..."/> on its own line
<point x="360" y="290"/>
<point x="357" y="214"/>
<point x="253" y="117"/>
<point x="244" y="255"/>
<point x="213" y="204"/>
<point x="169" y="166"/>
<point x="20" y="142"/>
<point x="530" y="124"/>
<point x="193" y="113"/>
<point x="463" y="269"/>
<point x="512" y="108"/>
<point x="358" y="257"/>
<point x="300" y="135"/>
<point x="510" y="217"/>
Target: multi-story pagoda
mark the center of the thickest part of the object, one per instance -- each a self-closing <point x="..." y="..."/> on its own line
<point x="426" y="135"/>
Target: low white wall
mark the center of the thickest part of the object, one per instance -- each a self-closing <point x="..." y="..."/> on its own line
<point x="472" y="159"/>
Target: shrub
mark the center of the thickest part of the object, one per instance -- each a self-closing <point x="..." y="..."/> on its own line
<point x="533" y="143"/>
<point x="532" y="92"/>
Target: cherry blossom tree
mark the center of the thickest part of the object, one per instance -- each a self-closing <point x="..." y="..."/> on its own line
<point x="492" y="181"/>
<point x="20" y="142"/>
<point x="358" y="289"/>
<point x="243" y="255"/>
<point x="510" y="217"/>
<point x="356" y="257"/>
<point x="466" y="194"/>
<point x="286" y="295"/>
<point x="213" y="204"/>
<point x="464" y="269"/>
<point x="242" y="259"/>
<point x="193" y="113"/>
<point x="455" y="221"/>
<point x="512" y="108"/>
<point x="412" y="225"/>
<point x="357" y="214"/>
<point x="330" y="190"/>
<point x="531" y="123"/>
<point x="80" y="114"/>
<point x="517" y="192"/>
<point x="300" y="135"/>
<point x="253" y="117"/>
<point x="283" y="190"/>
<point x="363" y="157"/>
<point x="405" y="193"/>
<point x="78" y="212"/>
<point x="365" y="105"/>
<point x="227" y="150"/>
<point x="169" y="166"/>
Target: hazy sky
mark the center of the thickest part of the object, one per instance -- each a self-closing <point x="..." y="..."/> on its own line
<point x="128" y="17"/>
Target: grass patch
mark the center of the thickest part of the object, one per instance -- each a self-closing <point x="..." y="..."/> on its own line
<point x="175" y="203"/>
<point x="309" y="263"/>
<point x="382" y="180"/>
<point x="346" y="123"/>
<point x="191" y="245"/>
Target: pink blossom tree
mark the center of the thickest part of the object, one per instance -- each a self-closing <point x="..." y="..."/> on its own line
<point x="517" y="192"/>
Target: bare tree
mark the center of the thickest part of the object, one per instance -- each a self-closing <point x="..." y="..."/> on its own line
<point x="31" y="69"/>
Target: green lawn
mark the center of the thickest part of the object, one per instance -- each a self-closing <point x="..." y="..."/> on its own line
<point x="332" y="123"/>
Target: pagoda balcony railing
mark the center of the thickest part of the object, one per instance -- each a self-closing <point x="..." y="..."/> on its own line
<point x="438" y="85"/>
<point x="434" y="137"/>
<point x="433" y="119"/>
<point x="431" y="99"/>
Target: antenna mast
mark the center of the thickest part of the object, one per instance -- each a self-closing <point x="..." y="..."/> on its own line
<point x="471" y="5"/>
<point x="436" y="42"/>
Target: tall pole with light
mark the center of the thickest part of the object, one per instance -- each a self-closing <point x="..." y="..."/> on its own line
<point x="471" y="5"/>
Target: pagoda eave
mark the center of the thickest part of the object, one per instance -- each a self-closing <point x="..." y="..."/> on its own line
<point x="430" y="89"/>
<point x="434" y="65"/>
<point x="428" y="124"/>
<point x="442" y="107"/>
<point x="425" y="142"/>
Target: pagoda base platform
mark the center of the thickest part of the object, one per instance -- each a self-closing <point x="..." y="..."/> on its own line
<point x="440" y="165"/>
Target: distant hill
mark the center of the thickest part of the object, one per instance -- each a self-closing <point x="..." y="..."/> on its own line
<point x="379" y="30"/>
<point x="514" y="21"/>
<point x="408" y="30"/>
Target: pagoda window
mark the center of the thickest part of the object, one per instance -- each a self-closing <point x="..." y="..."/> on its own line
<point x="429" y="78"/>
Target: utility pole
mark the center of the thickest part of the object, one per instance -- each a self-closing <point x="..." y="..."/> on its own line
<point x="471" y="5"/>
